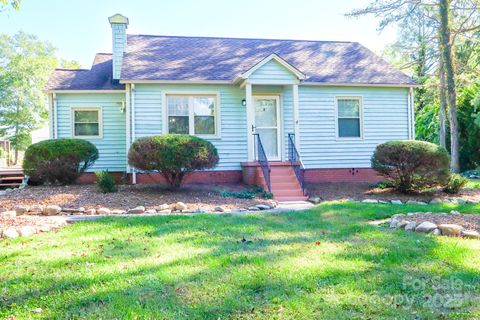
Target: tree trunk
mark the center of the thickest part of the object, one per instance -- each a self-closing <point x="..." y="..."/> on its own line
<point x="442" y="134"/>
<point x="446" y="53"/>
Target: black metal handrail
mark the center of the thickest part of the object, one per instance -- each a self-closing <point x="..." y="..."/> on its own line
<point x="262" y="159"/>
<point x="295" y="161"/>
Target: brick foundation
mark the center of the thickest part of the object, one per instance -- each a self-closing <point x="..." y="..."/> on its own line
<point x="197" y="177"/>
<point x="342" y="175"/>
<point x="250" y="174"/>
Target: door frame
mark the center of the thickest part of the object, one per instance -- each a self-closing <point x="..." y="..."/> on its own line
<point x="277" y="99"/>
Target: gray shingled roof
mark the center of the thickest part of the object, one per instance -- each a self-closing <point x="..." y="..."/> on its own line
<point x="99" y="77"/>
<point x="200" y="58"/>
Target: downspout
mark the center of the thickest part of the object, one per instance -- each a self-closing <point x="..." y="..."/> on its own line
<point x="55" y="122"/>
<point x="412" y="112"/>
<point x="127" y="124"/>
<point x="409" y="120"/>
<point x="134" y="174"/>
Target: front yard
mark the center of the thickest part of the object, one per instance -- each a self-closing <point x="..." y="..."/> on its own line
<point x="326" y="263"/>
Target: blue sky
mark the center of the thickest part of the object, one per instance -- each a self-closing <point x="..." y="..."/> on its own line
<point x="79" y="28"/>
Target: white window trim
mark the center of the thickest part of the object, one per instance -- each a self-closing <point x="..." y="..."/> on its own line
<point x="360" y="99"/>
<point x="100" y="121"/>
<point x="217" y="115"/>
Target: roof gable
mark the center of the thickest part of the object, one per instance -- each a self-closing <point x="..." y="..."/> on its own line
<point x="275" y="67"/>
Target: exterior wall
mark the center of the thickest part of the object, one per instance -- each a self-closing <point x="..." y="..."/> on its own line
<point x="385" y="118"/>
<point x="272" y="71"/>
<point x="112" y="146"/>
<point x="342" y="175"/>
<point x="232" y="143"/>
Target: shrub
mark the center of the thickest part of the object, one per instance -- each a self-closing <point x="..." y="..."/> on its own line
<point x="412" y="165"/>
<point x="173" y="155"/>
<point x="58" y="161"/>
<point x="455" y="183"/>
<point x="106" y="182"/>
<point x="244" y="194"/>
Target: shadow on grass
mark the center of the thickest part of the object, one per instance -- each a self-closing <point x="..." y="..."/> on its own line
<point x="324" y="263"/>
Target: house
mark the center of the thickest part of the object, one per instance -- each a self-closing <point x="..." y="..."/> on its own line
<point x="280" y="112"/>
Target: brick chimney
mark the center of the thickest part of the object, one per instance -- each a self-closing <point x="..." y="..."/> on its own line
<point x="119" y="25"/>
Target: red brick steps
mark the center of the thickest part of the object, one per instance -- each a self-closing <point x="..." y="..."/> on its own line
<point x="11" y="178"/>
<point x="284" y="183"/>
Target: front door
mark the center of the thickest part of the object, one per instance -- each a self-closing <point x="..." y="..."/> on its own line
<point x="267" y="124"/>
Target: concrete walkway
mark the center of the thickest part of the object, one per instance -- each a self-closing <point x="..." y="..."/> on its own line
<point x="281" y="207"/>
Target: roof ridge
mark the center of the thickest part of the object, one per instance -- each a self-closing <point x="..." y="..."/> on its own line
<point x="240" y="38"/>
<point x="103" y="53"/>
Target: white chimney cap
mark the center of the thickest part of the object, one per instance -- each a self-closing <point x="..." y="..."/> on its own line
<point x="118" y="19"/>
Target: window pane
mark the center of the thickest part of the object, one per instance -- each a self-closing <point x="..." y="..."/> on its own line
<point x="86" y="129"/>
<point x="349" y="128"/>
<point x="265" y="113"/>
<point x="204" y="106"/>
<point x="178" y="125"/>
<point x="348" y="108"/>
<point x="204" y="125"/>
<point x="86" y="116"/>
<point x="178" y="106"/>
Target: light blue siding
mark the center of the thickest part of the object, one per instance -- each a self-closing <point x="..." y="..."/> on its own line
<point x="385" y="117"/>
<point x="112" y="146"/>
<point x="272" y="71"/>
<point x="232" y="143"/>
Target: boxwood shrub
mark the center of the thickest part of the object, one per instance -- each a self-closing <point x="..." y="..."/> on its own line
<point x="412" y="165"/>
<point x="58" y="161"/>
<point x="173" y="155"/>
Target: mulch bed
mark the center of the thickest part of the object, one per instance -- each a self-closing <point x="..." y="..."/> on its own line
<point x="361" y="191"/>
<point x="128" y="196"/>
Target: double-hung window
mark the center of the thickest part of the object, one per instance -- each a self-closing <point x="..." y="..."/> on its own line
<point x="87" y="122"/>
<point x="192" y="114"/>
<point x="349" y="117"/>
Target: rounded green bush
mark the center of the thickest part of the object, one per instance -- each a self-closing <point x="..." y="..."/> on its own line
<point x="412" y="165"/>
<point x="173" y="155"/>
<point x="58" y="161"/>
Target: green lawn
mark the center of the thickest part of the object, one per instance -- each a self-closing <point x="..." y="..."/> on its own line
<point x="327" y="263"/>
<point x="473" y="184"/>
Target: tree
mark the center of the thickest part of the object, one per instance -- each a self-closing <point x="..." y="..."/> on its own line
<point x="5" y="4"/>
<point x="25" y="66"/>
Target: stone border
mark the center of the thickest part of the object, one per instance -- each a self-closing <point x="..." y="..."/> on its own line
<point x="317" y="200"/>
<point x="400" y="221"/>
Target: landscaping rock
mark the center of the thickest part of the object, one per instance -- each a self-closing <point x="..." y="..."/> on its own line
<point x="137" y="210"/>
<point x="36" y="209"/>
<point x="166" y="211"/>
<point x="382" y="201"/>
<point x="315" y="200"/>
<point x="470" y="234"/>
<point x="151" y="211"/>
<point x="180" y="206"/>
<point x="410" y="226"/>
<point x="402" y="224"/>
<point x="455" y="213"/>
<point x="118" y="211"/>
<point x="450" y="229"/>
<point x="426" y="227"/>
<point x="27" y="231"/>
<point x="10" y="233"/>
<point x="52" y="210"/>
<point x="164" y="206"/>
<point x="396" y="202"/>
<point x="370" y="201"/>
<point x="103" y="211"/>
<point x="263" y="207"/>
<point x="461" y="201"/>
<point x="19" y="209"/>
<point x="8" y="214"/>
<point x="416" y="202"/>
<point x="436" y="232"/>
<point x="252" y="209"/>
<point x="398" y="215"/>
<point x="394" y="223"/>
<point x="219" y="209"/>
<point x="90" y="212"/>
<point x="74" y="210"/>
<point x="436" y="201"/>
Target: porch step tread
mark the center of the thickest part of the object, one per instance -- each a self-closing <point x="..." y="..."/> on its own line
<point x="287" y="193"/>
<point x="3" y="178"/>
<point x="16" y="184"/>
<point x="285" y="185"/>
<point x="292" y="198"/>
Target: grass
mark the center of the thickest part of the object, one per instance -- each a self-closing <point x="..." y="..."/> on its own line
<point x="324" y="263"/>
<point x="473" y="184"/>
